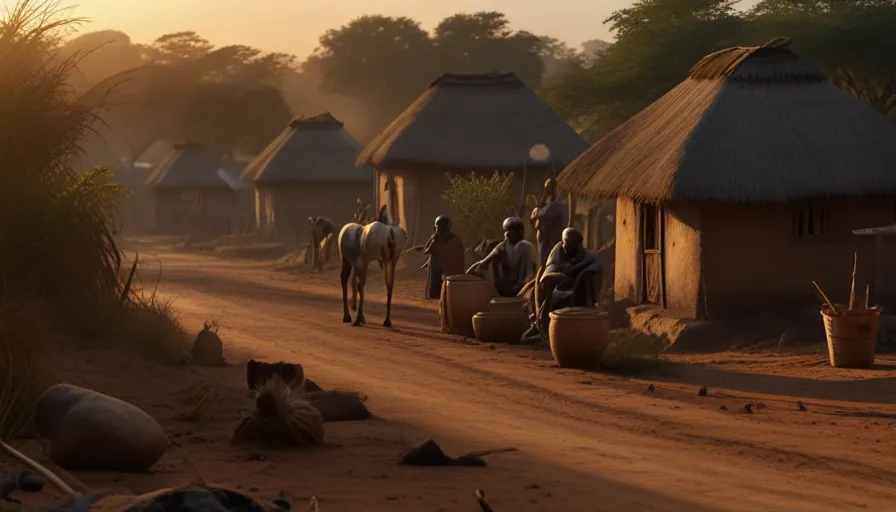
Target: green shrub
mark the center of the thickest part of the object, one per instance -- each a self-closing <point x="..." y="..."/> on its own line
<point x="479" y="205"/>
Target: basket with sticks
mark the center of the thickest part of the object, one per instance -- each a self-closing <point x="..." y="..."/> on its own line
<point x="851" y="331"/>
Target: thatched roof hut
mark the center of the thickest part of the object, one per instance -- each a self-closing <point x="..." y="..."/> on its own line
<point x="460" y="124"/>
<point x="312" y="149"/>
<point x="741" y="185"/>
<point x="191" y="194"/>
<point x="308" y="171"/>
<point x="473" y="123"/>
<point x="754" y="124"/>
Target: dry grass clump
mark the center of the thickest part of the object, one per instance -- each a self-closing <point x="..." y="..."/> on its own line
<point x="631" y="351"/>
<point x="23" y="369"/>
<point x="281" y="417"/>
<point x="201" y="398"/>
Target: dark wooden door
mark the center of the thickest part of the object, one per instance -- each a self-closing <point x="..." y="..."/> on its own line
<point x="652" y="266"/>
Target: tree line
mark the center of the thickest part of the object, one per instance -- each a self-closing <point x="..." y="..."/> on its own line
<point x="238" y="98"/>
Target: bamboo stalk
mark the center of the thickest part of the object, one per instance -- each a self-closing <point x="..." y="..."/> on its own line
<point x="826" y="299"/>
<point x="852" y="288"/>
<point x="37" y="468"/>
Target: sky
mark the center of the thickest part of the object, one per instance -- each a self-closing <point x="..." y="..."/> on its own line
<point x="294" y="26"/>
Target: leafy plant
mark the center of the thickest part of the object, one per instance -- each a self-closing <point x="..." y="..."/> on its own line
<point x="480" y="204"/>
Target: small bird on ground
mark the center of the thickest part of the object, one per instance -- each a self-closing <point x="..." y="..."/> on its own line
<point x="802" y="406"/>
<point x="748" y="408"/>
<point x="703" y="391"/>
<point x="651" y="388"/>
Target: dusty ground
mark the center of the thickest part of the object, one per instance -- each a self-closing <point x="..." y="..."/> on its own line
<point x="587" y="441"/>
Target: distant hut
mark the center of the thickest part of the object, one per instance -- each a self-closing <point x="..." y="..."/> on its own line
<point x="191" y="194"/>
<point x="461" y="124"/>
<point x="308" y="171"/>
<point x="742" y="185"/>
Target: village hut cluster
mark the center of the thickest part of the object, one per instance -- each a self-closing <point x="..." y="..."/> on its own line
<point x="726" y="197"/>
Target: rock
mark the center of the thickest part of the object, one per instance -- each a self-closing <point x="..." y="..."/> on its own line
<point x="91" y="430"/>
<point x="208" y="349"/>
<point x="339" y="405"/>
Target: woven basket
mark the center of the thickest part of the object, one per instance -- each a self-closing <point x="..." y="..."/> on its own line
<point x="499" y="327"/>
<point x="465" y="295"/>
<point x="579" y="337"/>
<point x="852" y="337"/>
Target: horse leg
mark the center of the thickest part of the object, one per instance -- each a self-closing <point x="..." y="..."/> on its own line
<point x="361" y="274"/>
<point x="354" y="290"/>
<point x="389" y="277"/>
<point x="346" y="272"/>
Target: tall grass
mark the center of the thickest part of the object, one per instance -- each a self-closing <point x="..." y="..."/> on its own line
<point x="57" y="227"/>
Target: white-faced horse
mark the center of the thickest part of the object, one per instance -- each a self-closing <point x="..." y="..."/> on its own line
<point x="359" y="246"/>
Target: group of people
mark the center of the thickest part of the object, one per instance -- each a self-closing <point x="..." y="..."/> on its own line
<point x="560" y="273"/>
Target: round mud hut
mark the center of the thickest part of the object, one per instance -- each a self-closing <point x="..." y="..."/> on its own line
<point x="308" y="171"/>
<point x="190" y="194"/>
<point x="462" y="124"/>
<point x="742" y="185"/>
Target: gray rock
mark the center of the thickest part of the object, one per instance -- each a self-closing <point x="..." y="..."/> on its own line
<point x="339" y="405"/>
<point x="91" y="430"/>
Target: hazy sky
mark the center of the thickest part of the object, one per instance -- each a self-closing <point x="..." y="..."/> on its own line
<point x="294" y="26"/>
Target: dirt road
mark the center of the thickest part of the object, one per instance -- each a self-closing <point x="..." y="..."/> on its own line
<point x="587" y="441"/>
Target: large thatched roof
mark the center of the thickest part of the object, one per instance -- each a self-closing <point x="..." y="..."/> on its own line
<point x="187" y="166"/>
<point x="473" y="122"/>
<point x="748" y="125"/>
<point x="310" y="149"/>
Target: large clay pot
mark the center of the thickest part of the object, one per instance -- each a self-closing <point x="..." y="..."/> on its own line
<point x="499" y="327"/>
<point x="465" y="295"/>
<point x="579" y="337"/>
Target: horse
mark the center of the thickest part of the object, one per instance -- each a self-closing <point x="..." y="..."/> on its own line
<point x="359" y="246"/>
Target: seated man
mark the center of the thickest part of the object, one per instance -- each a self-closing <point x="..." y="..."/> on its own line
<point x="514" y="261"/>
<point x="571" y="277"/>
<point x="446" y="256"/>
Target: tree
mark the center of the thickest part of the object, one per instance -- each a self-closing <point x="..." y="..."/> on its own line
<point x="227" y="98"/>
<point x="480" y="204"/>
<point x="657" y="43"/>
<point x="380" y="60"/>
<point x="100" y="55"/>
<point x="483" y="42"/>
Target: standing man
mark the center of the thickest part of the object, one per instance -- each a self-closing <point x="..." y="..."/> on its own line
<point x="446" y="256"/>
<point x="549" y="219"/>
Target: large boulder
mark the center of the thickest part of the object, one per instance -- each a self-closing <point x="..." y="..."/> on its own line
<point x="91" y="430"/>
<point x="338" y="405"/>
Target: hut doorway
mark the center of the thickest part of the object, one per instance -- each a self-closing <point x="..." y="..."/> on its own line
<point x="653" y="274"/>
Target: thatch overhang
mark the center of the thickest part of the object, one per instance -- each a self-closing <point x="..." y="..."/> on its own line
<point x="748" y="125"/>
<point x="314" y="149"/>
<point x="187" y="166"/>
<point x="473" y="122"/>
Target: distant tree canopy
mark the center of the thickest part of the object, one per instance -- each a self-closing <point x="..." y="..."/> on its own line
<point x="657" y="41"/>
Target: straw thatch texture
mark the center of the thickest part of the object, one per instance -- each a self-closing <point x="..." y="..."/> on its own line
<point x="314" y="149"/>
<point x="473" y="122"/>
<point x="187" y="166"/>
<point x="749" y="125"/>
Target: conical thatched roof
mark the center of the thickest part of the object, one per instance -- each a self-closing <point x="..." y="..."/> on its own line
<point x="748" y="125"/>
<point x="473" y="122"/>
<point x="309" y="149"/>
<point x="187" y="166"/>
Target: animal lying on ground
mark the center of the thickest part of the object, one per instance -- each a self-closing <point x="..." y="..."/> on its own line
<point x="359" y="246"/>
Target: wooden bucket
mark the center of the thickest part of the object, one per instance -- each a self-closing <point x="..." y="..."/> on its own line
<point x="579" y="337"/>
<point x="465" y="295"/>
<point x="851" y="336"/>
<point x="499" y="327"/>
